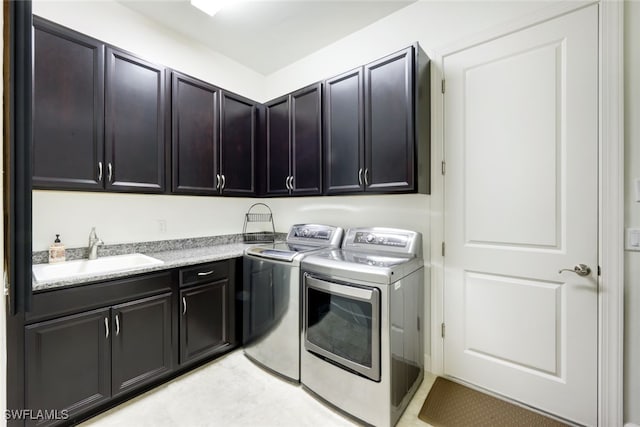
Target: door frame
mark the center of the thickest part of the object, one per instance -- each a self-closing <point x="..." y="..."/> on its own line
<point x="610" y="194"/>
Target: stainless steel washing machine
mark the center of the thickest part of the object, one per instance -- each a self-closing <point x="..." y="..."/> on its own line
<point x="271" y="296"/>
<point x="362" y="336"/>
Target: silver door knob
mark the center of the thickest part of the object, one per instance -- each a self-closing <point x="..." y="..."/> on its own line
<point x="580" y="270"/>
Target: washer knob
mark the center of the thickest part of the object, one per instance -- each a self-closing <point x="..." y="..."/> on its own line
<point x="370" y="238"/>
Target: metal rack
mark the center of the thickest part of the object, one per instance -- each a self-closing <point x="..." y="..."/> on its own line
<point x="260" y="216"/>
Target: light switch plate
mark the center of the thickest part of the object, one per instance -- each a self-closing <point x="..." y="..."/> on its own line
<point x="633" y="239"/>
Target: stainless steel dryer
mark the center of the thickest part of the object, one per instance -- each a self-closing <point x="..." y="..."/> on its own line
<point x="362" y="338"/>
<point x="271" y="296"/>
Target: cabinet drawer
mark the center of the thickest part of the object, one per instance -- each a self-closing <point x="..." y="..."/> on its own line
<point x="203" y="273"/>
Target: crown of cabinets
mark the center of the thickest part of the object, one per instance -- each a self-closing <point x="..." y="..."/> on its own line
<point x="107" y="120"/>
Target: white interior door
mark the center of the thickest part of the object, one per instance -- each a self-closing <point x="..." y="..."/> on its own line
<point x="521" y="188"/>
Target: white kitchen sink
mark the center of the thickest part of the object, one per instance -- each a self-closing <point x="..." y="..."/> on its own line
<point x="86" y="267"/>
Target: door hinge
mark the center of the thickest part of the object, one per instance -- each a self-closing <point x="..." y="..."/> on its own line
<point x="418" y="322"/>
<point x="5" y="281"/>
<point x="599" y="271"/>
<point x="442" y="86"/>
<point x="442" y="248"/>
<point x="443" y="167"/>
<point x="442" y="330"/>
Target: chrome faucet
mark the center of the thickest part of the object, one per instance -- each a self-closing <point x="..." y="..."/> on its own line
<point x="94" y="242"/>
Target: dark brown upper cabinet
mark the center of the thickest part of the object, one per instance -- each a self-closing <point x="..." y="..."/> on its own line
<point x="294" y="143"/>
<point x="134" y="123"/>
<point x="68" y="109"/>
<point x="98" y="115"/>
<point x="344" y="133"/>
<point x="213" y="139"/>
<point x="194" y="113"/>
<point x="238" y="138"/>
<point x="377" y="126"/>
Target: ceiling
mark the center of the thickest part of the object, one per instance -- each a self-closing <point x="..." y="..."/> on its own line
<point x="267" y="35"/>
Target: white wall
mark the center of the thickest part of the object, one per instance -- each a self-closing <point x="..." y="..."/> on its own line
<point x="117" y="25"/>
<point x="632" y="214"/>
<point x="433" y="24"/>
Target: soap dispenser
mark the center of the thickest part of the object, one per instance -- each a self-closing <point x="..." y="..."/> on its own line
<point x="56" y="251"/>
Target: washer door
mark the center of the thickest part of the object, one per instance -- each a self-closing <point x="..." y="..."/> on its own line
<point x="342" y="324"/>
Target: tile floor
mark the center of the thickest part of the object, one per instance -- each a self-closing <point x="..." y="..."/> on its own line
<point x="232" y="391"/>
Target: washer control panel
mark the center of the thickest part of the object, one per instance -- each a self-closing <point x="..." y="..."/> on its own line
<point x="315" y="234"/>
<point x="381" y="239"/>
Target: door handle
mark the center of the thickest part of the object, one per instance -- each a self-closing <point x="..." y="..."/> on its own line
<point x="206" y="273"/>
<point x="224" y="182"/>
<point x="106" y="328"/>
<point x="580" y="270"/>
<point x="117" y="325"/>
<point x="109" y="172"/>
<point x="217" y="181"/>
<point x="291" y="183"/>
<point x="99" y="171"/>
<point x="360" y="177"/>
<point x="366" y="177"/>
<point x="184" y="306"/>
<point x="286" y="183"/>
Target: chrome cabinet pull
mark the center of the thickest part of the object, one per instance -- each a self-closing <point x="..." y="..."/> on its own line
<point x="206" y="273"/>
<point x="360" y="177"/>
<point x="366" y="176"/>
<point x="109" y="172"/>
<point x="291" y="182"/>
<point x="580" y="270"/>
<point x="286" y="183"/>
<point x="117" y="325"/>
<point x="99" y="171"/>
<point x="224" y="182"/>
<point x="106" y="327"/>
<point x="217" y="181"/>
<point x="184" y="306"/>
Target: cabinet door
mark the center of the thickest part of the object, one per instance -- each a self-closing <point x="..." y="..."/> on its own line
<point x="344" y="133"/>
<point x="389" y="116"/>
<point x="306" y="140"/>
<point x="195" y="136"/>
<point x="278" y="146"/>
<point x="237" y="145"/>
<point x="68" y="109"/>
<point x="205" y="320"/>
<point x="135" y="144"/>
<point x="68" y="363"/>
<point x="141" y="341"/>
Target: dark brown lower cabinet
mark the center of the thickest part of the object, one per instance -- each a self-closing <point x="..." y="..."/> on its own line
<point x="68" y="365"/>
<point x="78" y="362"/>
<point x="206" y="326"/>
<point x="141" y="342"/>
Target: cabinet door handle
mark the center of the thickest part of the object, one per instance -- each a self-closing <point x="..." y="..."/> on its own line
<point x="99" y="171"/>
<point x="184" y="306"/>
<point x="106" y="327"/>
<point x="286" y="183"/>
<point x="206" y="273"/>
<point x="360" y="177"/>
<point x="366" y="176"/>
<point x="117" y="324"/>
<point x="224" y="182"/>
<point x="291" y="183"/>
<point x="217" y="181"/>
<point x="109" y="172"/>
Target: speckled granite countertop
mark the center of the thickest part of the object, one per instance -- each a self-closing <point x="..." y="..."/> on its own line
<point x="175" y="253"/>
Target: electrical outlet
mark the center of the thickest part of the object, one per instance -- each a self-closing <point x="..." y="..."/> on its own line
<point x="162" y="225"/>
<point x="633" y="239"/>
